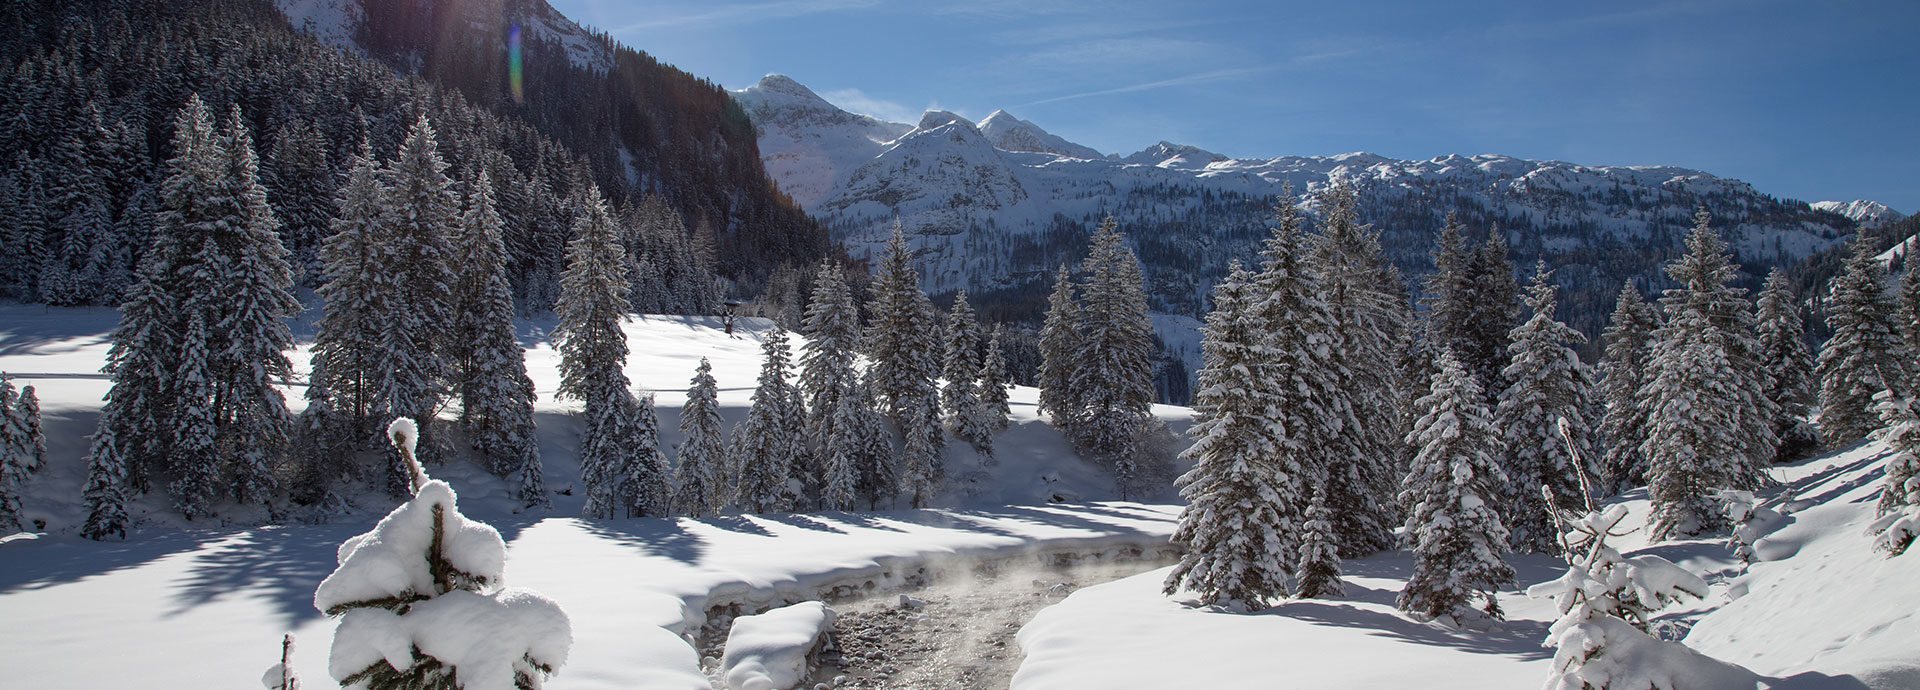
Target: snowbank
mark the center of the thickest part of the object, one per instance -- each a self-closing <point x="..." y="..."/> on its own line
<point x="769" y="651"/>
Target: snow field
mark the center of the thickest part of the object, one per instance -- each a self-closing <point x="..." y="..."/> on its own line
<point x="769" y="651"/>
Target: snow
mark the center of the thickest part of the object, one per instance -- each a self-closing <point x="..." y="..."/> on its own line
<point x="482" y="636"/>
<point x="769" y="651"/>
<point x="1869" y="214"/>
<point x="331" y="21"/>
<point x="386" y="562"/>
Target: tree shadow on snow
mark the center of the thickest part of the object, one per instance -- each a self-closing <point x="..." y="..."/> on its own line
<point x="1814" y="680"/>
<point x="665" y="538"/>
<point x="287" y="563"/>
<point x="736" y="523"/>
<point x="803" y="521"/>
<point x="1519" y="639"/>
<point x="50" y="561"/>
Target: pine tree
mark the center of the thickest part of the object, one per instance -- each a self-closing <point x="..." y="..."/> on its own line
<point x="648" y="477"/>
<point x="1865" y="354"/>
<point x="194" y="463"/>
<point x="427" y="576"/>
<point x="762" y="454"/>
<point x="1241" y="527"/>
<point x="496" y="395"/>
<point x="1542" y="410"/>
<point x="842" y="454"/>
<point x="1113" y="372"/>
<point x="1703" y="274"/>
<point x="1781" y="337"/>
<point x="826" y="360"/>
<point x="343" y="396"/>
<point x="1368" y="324"/>
<point x="875" y="471"/>
<point x="902" y="339"/>
<point x="965" y="414"/>
<point x="1907" y="309"/>
<point x="28" y="411"/>
<point x="1301" y="372"/>
<point x="1451" y="292"/>
<point x="1900" y="430"/>
<point x="13" y="459"/>
<point x="299" y="176"/>
<point x="1319" y="569"/>
<point x="106" y="489"/>
<point x="698" y="490"/>
<point x="419" y="215"/>
<point x="1690" y="444"/>
<point x="1628" y="338"/>
<point x="994" y="385"/>
<point x="1059" y="343"/>
<point x="250" y="349"/>
<point x="1495" y="311"/>
<point x="593" y="355"/>
<point x="1456" y="532"/>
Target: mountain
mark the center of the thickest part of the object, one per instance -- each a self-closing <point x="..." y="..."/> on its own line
<point x="1866" y="213"/>
<point x="995" y="207"/>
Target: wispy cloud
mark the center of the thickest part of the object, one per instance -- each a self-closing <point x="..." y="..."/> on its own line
<point x="1184" y="80"/>
<point x="857" y="101"/>
<point x="704" y="14"/>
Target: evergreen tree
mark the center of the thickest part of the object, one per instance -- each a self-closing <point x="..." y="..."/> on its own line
<point x="496" y="395"/>
<point x="826" y="360"/>
<point x="1623" y="368"/>
<point x="1319" y="568"/>
<point x="1907" y="309"/>
<point x="1900" y="430"/>
<point x="1542" y="410"/>
<point x="28" y="411"/>
<point x="106" y="489"/>
<point x="698" y="489"/>
<point x="994" y="384"/>
<point x="1783" y="353"/>
<point x="299" y="176"/>
<point x="966" y="414"/>
<point x="1703" y="274"/>
<point x="419" y="215"/>
<point x="1496" y="304"/>
<point x="249" y="333"/>
<point x="342" y="399"/>
<point x="1865" y="354"/>
<point x="875" y="471"/>
<point x="194" y="463"/>
<point x="902" y="339"/>
<point x="1059" y="344"/>
<point x="593" y="355"/>
<point x="1690" y="444"/>
<point x="1456" y="533"/>
<point x="763" y="454"/>
<point x="13" y="459"/>
<point x="1302" y="372"/>
<point x="648" y="477"/>
<point x="1113" y="372"/>
<point x="1451" y="292"/>
<point x="842" y="455"/>
<point x="1242" y="525"/>
<point x="1368" y="324"/>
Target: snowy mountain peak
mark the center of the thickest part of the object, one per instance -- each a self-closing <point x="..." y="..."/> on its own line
<point x="1869" y="214"/>
<point x="941" y="118"/>
<point x="784" y="87"/>
<point x="1167" y="154"/>
<point x="1009" y="133"/>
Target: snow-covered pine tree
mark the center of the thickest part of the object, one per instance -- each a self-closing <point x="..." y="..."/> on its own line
<point x="1623" y="372"/>
<point x="964" y="410"/>
<point x="1112" y="374"/>
<point x="1907" y="310"/>
<point x="1494" y="312"/>
<point x="433" y="580"/>
<point x="28" y="411"/>
<point x="106" y="489"/>
<point x="1704" y="274"/>
<point x="994" y="384"/>
<point x="842" y="454"/>
<point x="1318" y="570"/>
<point x="1369" y="320"/>
<point x="1781" y="337"/>
<point x="1865" y="355"/>
<point x="299" y="177"/>
<point x="342" y="400"/>
<point x="648" y="479"/>
<point x="1690" y="447"/>
<point x="1547" y="387"/>
<point x="1455" y="531"/>
<point x="1059" y="343"/>
<point x="875" y="465"/>
<point x="1301" y="372"/>
<point x="826" y="360"/>
<point x="420" y="213"/>
<point x="698" y="489"/>
<point x="1242" y="525"/>
<point x="593" y="354"/>
<point x="13" y="459"/>
<point x="762" y="453"/>
<point x="496" y="395"/>
<point x="1900" y="430"/>
<point x="194" y="464"/>
<point x="248" y="329"/>
<point x="902" y="339"/>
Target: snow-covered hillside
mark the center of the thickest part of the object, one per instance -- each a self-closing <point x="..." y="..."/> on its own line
<point x="335" y="23"/>
<point x="1871" y="214"/>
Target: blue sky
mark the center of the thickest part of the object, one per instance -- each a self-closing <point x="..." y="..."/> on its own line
<point x="1804" y="99"/>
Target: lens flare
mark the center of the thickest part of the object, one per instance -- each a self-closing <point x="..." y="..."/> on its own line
<point x="516" y="73"/>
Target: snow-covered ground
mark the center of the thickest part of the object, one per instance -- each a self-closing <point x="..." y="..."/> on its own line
<point x="1821" y="609"/>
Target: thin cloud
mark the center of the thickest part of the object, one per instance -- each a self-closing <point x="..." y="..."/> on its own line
<point x="857" y="101"/>
<point x="1186" y="80"/>
<point x="746" y="13"/>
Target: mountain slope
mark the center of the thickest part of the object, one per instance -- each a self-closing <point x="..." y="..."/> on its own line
<point x="999" y="218"/>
